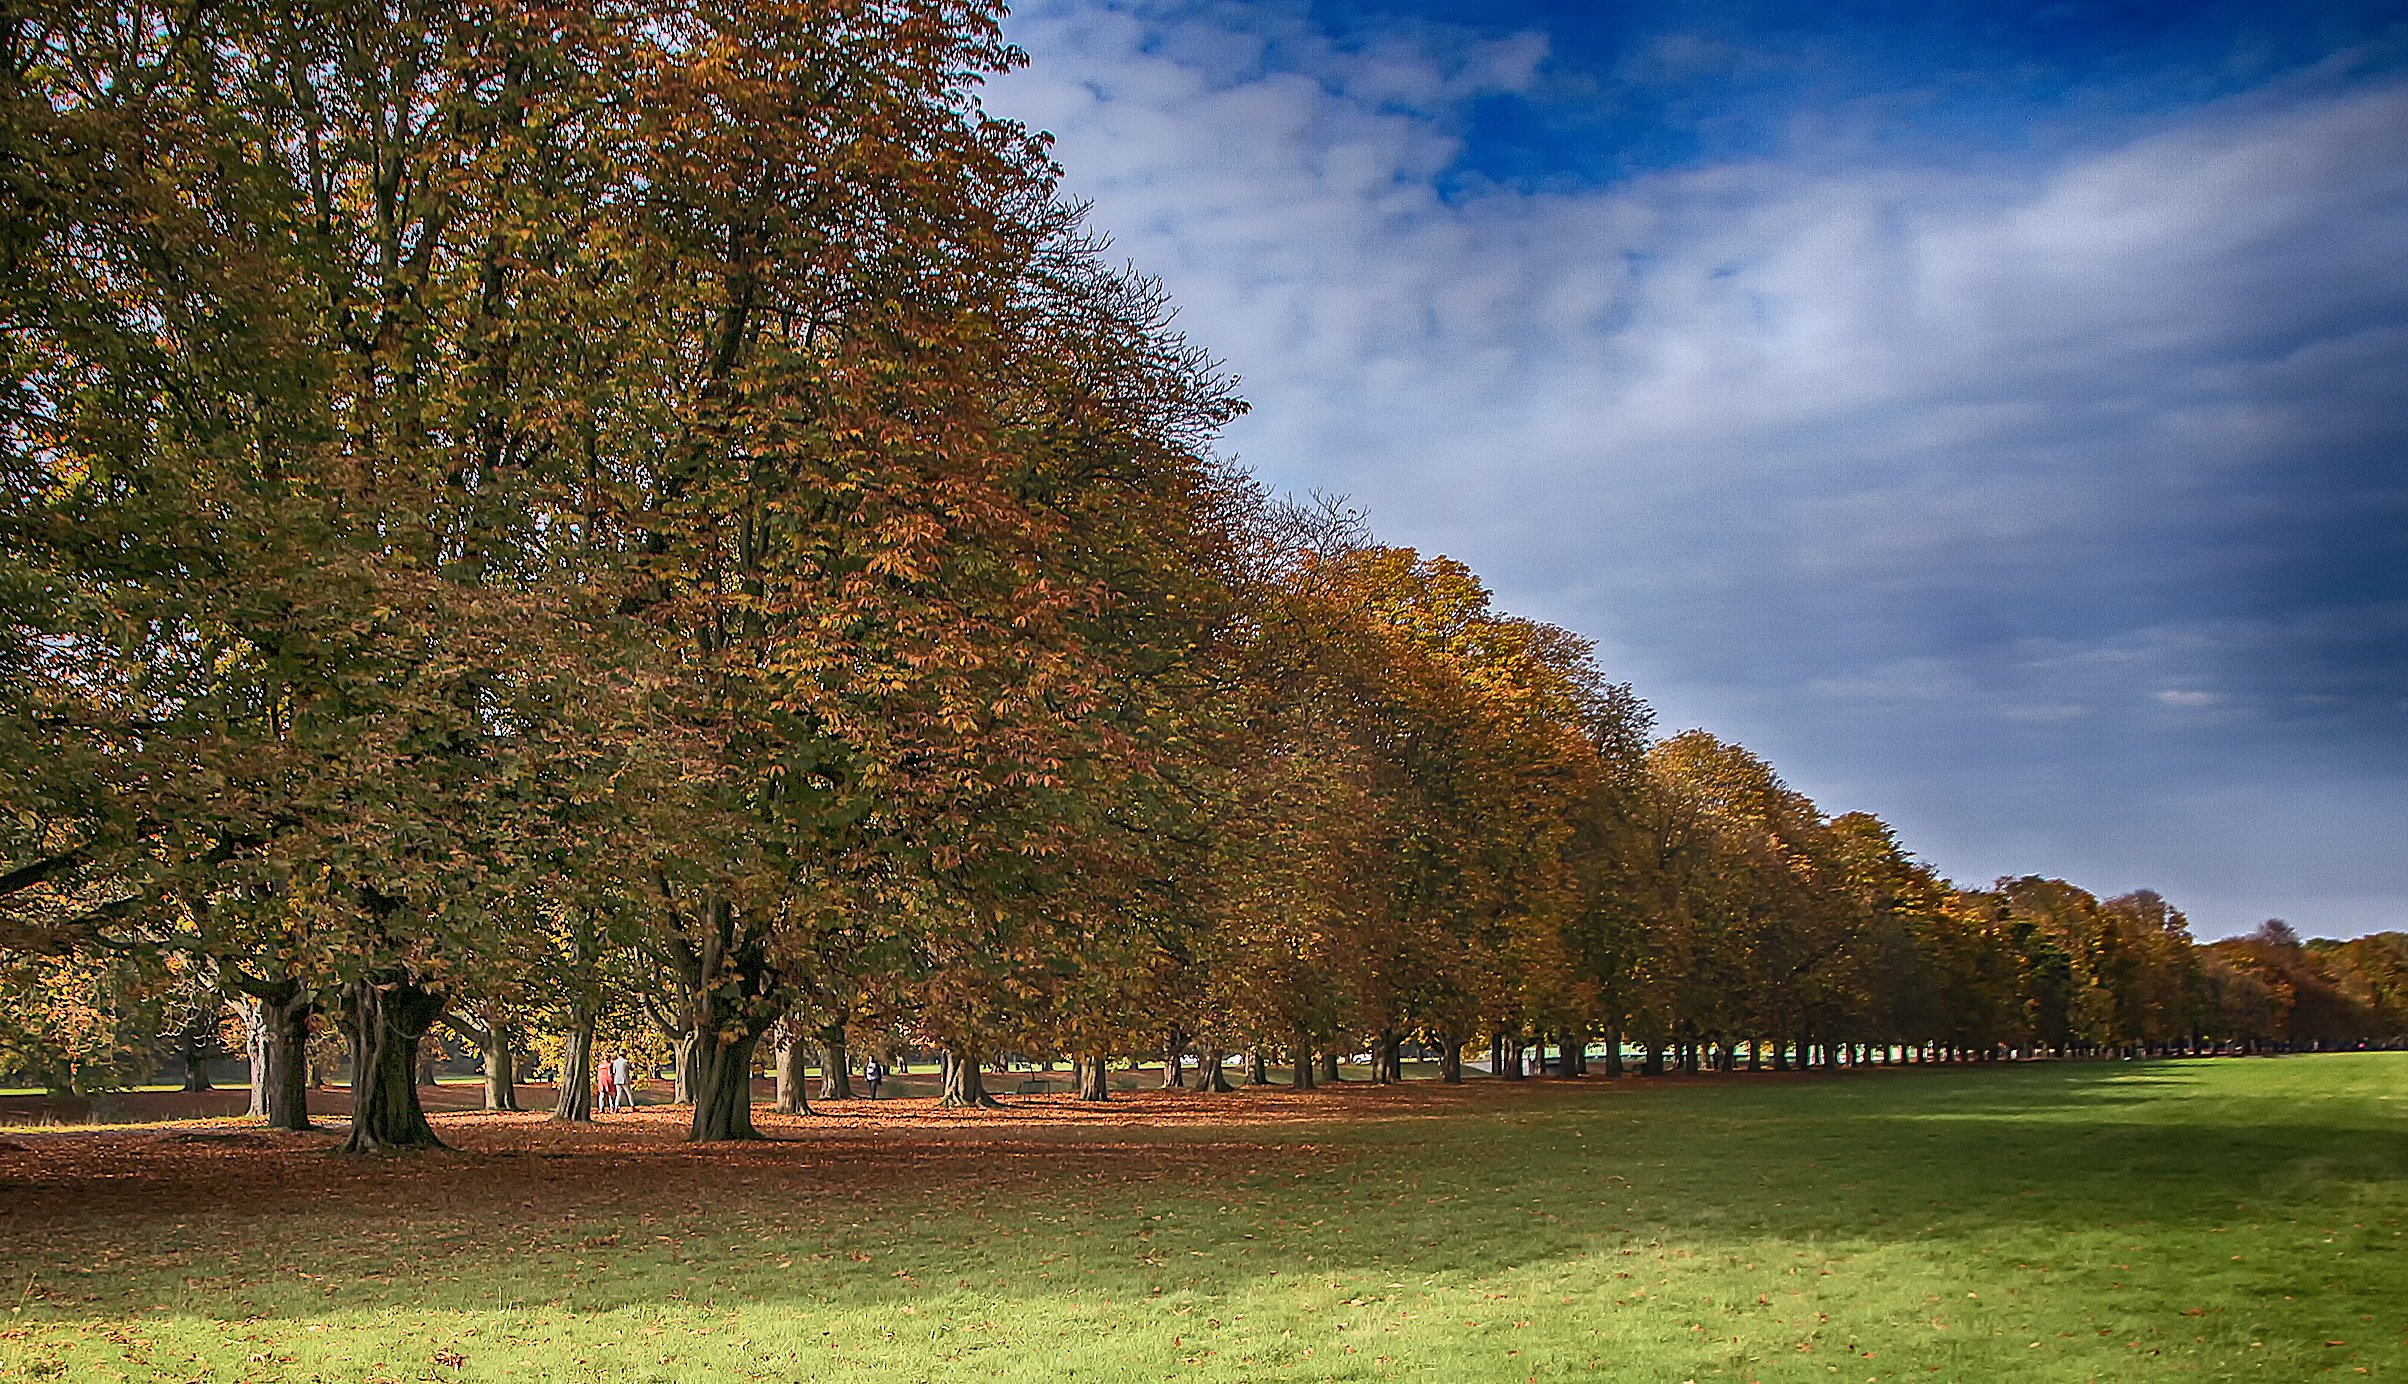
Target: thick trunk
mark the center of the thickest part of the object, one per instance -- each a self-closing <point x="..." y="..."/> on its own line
<point x="719" y="1080"/>
<point x="1174" y="1058"/>
<point x="389" y="1019"/>
<point x="1572" y="1041"/>
<point x="1301" y="1078"/>
<point x="1258" y="1069"/>
<point x="501" y="1066"/>
<point x="835" y="1064"/>
<point x="1653" y="1065"/>
<point x="1210" y="1075"/>
<point x="576" y="1098"/>
<point x="1613" y="1052"/>
<point x="965" y="1084"/>
<point x="277" y="1020"/>
<point x="793" y="1068"/>
<point x="1329" y="1068"/>
<point x="1387" y="1066"/>
<point x="682" y="1092"/>
<point x="1095" y="1077"/>
<point x="1450" y="1061"/>
<point x="193" y="1047"/>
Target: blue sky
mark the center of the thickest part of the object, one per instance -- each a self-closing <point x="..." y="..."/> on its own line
<point x="1992" y="414"/>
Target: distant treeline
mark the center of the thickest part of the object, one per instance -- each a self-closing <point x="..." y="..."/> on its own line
<point x="656" y="524"/>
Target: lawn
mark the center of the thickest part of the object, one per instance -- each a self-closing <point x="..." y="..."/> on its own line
<point x="2209" y="1219"/>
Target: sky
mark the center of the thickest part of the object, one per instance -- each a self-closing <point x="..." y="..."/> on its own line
<point x="1994" y="415"/>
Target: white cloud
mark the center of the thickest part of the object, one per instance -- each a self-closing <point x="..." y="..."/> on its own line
<point x="1799" y="444"/>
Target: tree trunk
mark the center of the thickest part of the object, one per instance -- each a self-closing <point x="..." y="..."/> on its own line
<point x="682" y="1093"/>
<point x="1258" y="1069"/>
<point x="276" y="1022"/>
<point x="1509" y="1056"/>
<point x="1653" y="1063"/>
<point x="194" y="1043"/>
<point x="501" y="1065"/>
<point x="965" y="1084"/>
<point x="719" y="1080"/>
<point x="1387" y="1066"/>
<point x="793" y="1068"/>
<point x="1613" y="1052"/>
<point x="1174" y="1054"/>
<point x="1569" y="1044"/>
<point x="1301" y="1079"/>
<point x="576" y="1098"/>
<point x="388" y="1019"/>
<point x="835" y="1064"/>
<point x="1211" y="1076"/>
<point x="1095" y="1077"/>
<point x="1329" y="1068"/>
<point x="1450" y="1061"/>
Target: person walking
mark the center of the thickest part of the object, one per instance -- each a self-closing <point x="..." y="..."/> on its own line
<point x="609" y="1089"/>
<point x="872" y="1075"/>
<point x="622" y="1077"/>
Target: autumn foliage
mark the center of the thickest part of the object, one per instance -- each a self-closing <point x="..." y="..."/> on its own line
<point x="657" y="524"/>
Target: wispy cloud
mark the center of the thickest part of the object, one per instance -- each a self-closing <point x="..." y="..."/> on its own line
<point x="2087" y="441"/>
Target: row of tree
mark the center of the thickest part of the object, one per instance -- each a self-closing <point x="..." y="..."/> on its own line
<point x="536" y="517"/>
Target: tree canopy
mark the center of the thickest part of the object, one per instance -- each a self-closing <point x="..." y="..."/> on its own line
<point x="541" y="518"/>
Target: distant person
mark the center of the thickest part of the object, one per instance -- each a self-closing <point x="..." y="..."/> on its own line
<point x="609" y="1089"/>
<point x="622" y="1076"/>
<point x="872" y="1075"/>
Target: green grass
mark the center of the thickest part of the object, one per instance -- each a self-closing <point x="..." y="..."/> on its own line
<point x="2191" y="1220"/>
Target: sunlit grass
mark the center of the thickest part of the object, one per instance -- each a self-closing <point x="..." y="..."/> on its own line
<point x="2202" y="1220"/>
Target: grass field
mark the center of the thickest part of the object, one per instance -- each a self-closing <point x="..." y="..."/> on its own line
<point x="2193" y="1220"/>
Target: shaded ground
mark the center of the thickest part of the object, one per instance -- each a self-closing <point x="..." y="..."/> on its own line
<point x="2220" y="1220"/>
<point x="37" y="1109"/>
<point x="59" y="1178"/>
<point x="34" y="1110"/>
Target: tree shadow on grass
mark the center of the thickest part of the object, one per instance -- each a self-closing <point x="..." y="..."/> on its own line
<point x="1175" y="1194"/>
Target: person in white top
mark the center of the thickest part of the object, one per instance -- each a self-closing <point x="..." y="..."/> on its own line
<point x="620" y="1077"/>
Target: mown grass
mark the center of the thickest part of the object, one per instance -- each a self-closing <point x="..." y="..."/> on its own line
<point x="2191" y="1220"/>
